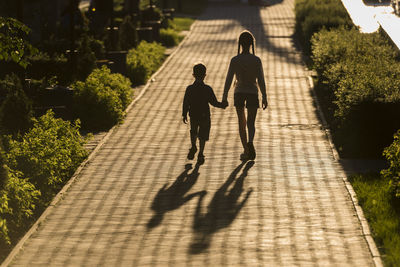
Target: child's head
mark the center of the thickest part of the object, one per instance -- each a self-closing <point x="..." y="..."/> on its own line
<point x="199" y="71"/>
<point x="246" y="39"/>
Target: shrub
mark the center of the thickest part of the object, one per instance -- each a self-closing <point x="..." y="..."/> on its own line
<point x="127" y="34"/>
<point x="314" y="15"/>
<point x="17" y="202"/>
<point x="16" y="110"/>
<point x="143" y="61"/>
<point x="361" y="93"/>
<point x="22" y="198"/>
<point x="48" y="154"/>
<point x="101" y="100"/>
<point x="169" y="37"/>
<point x="392" y="155"/>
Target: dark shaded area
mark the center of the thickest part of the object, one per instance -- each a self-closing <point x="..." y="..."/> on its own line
<point x="174" y="196"/>
<point x="222" y="210"/>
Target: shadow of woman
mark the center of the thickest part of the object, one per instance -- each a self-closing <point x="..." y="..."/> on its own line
<point x="173" y="197"/>
<point x="222" y="210"/>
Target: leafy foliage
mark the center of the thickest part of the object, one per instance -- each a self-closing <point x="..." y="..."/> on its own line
<point x="361" y="94"/>
<point x="143" y="61"/>
<point x="101" y="100"/>
<point x="314" y="15"/>
<point x="13" y="43"/>
<point x="392" y="154"/>
<point x="48" y="154"/>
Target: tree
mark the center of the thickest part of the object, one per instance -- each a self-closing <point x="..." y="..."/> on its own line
<point x="13" y="43"/>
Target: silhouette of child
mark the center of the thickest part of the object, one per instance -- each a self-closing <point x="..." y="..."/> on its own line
<point x="197" y="98"/>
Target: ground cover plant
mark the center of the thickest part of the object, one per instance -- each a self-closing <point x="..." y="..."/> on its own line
<point x="382" y="211"/>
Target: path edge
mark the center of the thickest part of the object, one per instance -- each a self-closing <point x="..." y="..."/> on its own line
<point x="59" y="196"/>
<point x="376" y="256"/>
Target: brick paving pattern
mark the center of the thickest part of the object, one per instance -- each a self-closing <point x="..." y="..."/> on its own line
<point x="139" y="202"/>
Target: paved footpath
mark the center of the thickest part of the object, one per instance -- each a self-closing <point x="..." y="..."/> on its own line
<point x="140" y="203"/>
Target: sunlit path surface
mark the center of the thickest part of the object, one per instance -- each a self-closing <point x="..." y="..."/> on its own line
<point x="138" y="203"/>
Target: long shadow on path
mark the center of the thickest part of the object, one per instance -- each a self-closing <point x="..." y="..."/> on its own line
<point x="222" y="210"/>
<point x="174" y="196"/>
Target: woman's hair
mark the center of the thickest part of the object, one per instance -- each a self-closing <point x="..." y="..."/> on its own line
<point x="246" y="39"/>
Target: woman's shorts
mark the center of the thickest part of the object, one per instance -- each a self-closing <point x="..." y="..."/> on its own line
<point x="251" y="100"/>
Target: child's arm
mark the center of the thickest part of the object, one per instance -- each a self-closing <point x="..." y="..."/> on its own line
<point x="213" y="100"/>
<point x="185" y="106"/>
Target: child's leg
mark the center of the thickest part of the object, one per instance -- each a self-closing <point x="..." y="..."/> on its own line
<point x="202" y="145"/>
<point x="194" y="129"/>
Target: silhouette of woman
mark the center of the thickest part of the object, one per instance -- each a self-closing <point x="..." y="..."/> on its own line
<point x="248" y="70"/>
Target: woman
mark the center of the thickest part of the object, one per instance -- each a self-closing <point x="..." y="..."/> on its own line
<point x="248" y="70"/>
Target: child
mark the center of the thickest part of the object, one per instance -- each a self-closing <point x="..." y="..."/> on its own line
<point x="196" y="100"/>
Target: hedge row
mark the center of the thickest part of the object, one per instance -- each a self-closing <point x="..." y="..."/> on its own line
<point x="143" y="61"/>
<point x="313" y="15"/>
<point x="360" y="93"/>
<point x="34" y="168"/>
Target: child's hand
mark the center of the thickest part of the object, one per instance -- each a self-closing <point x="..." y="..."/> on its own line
<point x="184" y="119"/>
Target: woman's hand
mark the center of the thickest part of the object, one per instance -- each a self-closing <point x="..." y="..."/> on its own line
<point x="225" y="103"/>
<point x="264" y="103"/>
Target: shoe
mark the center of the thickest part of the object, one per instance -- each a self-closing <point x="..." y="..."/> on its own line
<point x="200" y="159"/>
<point x="252" y="151"/>
<point x="244" y="157"/>
<point x="191" y="153"/>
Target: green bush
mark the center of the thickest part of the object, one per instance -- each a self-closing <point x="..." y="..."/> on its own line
<point x="143" y="61"/>
<point x="22" y="198"/>
<point x="170" y="37"/>
<point x="48" y="154"/>
<point x="360" y="94"/>
<point x="101" y="100"/>
<point x="16" y="109"/>
<point x="392" y="155"/>
<point x="314" y="15"/>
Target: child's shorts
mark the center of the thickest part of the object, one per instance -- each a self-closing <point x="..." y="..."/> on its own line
<point x="200" y="128"/>
<point x="251" y="100"/>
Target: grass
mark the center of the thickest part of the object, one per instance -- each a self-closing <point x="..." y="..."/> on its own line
<point x="382" y="213"/>
<point x="182" y="23"/>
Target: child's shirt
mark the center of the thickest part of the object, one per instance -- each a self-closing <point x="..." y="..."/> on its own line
<point x="197" y="97"/>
